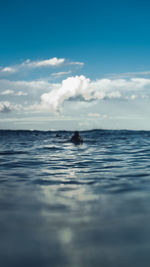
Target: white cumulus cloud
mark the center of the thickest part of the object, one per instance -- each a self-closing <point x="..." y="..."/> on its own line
<point x="81" y="88"/>
<point x="71" y="87"/>
<point x="6" y="107"/>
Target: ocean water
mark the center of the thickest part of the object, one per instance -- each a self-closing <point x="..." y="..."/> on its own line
<point x="72" y="205"/>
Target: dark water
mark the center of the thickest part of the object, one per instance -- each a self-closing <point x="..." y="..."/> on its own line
<point x="74" y="205"/>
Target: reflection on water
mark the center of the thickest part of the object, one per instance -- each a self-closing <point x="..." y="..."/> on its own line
<point x="80" y="206"/>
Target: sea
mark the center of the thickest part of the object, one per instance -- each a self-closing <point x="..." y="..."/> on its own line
<point x="69" y="205"/>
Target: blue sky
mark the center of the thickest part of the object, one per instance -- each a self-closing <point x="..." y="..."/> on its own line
<point x="74" y="64"/>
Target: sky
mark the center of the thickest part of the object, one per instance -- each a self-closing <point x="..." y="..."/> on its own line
<point x="74" y="65"/>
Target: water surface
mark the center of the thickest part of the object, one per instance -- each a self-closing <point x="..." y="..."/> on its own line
<point x="75" y="205"/>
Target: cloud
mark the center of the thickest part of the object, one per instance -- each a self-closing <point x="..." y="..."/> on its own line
<point x="14" y="87"/>
<point x="46" y="63"/>
<point x="129" y="74"/>
<point x="60" y="74"/>
<point x="96" y="115"/>
<point x="9" y="70"/>
<point x="6" y="107"/>
<point x="44" y="95"/>
<point x="76" y="63"/>
<point x="11" y="92"/>
<point x="28" y="64"/>
<point x="7" y="92"/>
<point x="20" y="93"/>
<point x="71" y="87"/>
<point x="81" y="88"/>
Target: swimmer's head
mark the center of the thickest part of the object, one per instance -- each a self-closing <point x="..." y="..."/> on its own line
<point x="76" y="133"/>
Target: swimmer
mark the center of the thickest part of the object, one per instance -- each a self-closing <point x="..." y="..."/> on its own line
<point x="76" y="138"/>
